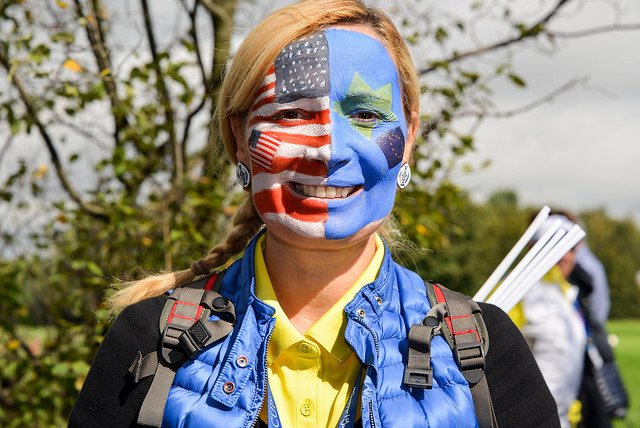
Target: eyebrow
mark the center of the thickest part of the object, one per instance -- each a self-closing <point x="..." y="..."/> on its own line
<point x="366" y="99"/>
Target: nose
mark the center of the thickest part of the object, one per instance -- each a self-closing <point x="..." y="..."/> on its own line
<point x="319" y="154"/>
<point x="341" y="142"/>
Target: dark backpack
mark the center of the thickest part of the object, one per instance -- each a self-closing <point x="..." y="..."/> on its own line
<point x="185" y="329"/>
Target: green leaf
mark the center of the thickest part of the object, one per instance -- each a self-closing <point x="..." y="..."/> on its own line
<point x="39" y="53"/>
<point x="16" y="126"/>
<point x="517" y="80"/>
<point x="63" y="37"/>
<point x="5" y="195"/>
<point x="80" y="367"/>
<point x="94" y="268"/>
<point x="175" y="235"/>
<point x="441" y="34"/>
<point x="60" y="370"/>
<point x="467" y="140"/>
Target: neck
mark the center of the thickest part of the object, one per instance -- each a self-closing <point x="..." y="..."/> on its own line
<point x="308" y="281"/>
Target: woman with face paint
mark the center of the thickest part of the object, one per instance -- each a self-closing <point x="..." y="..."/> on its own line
<point x="319" y="111"/>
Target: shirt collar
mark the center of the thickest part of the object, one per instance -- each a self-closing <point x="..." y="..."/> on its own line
<point x="328" y="331"/>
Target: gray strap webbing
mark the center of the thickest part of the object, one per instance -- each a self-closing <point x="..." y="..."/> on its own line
<point x="152" y="409"/>
<point x="485" y="413"/>
<point x="469" y="353"/>
<point x="143" y="366"/>
<point x="184" y="312"/>
<point x="418" y="372"/>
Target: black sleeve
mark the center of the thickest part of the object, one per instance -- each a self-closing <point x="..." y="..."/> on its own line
<point x="520" y="395"/>
<point x="109" y="397"/>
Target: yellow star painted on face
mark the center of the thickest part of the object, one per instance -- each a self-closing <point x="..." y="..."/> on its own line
<point x="361" y="98"/>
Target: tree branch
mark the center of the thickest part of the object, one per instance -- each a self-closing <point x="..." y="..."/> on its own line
<point x="532" y="105"/>
<point x="93" y="210"/>
<point x="96" y="38"/>
<point x="594" y="31"/>
<point x="221" y="16"/>
<point x="222" y="13"/>
<point x="533" y="31"/>
<point x="429" y="126"/>
<point x="205" y="80"/>
<point x="165" y="98"/>
<point x="5" y="147"/>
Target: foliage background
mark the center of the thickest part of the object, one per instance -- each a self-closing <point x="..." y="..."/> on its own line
<point x="129" y="182"/>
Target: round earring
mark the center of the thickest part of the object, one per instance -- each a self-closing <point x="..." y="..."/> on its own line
<point x="243" y="175"/>
<point x="404" y="175"/>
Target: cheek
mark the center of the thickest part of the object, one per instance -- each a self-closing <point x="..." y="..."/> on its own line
<point x="392" y="145"/>
<point x="380" y="158"/>
<point x="262" y="150"/>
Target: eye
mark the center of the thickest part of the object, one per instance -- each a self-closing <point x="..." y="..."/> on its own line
<point x="291" y="115"/>
<point x="365" y="116"/>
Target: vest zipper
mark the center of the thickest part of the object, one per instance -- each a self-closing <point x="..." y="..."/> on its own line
<point x="371" y="420"/>
<point x="373" y="333"/>
<point x="266" y="379"/>
<point x="375" y="341"/>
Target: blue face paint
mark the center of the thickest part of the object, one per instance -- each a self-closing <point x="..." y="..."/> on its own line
<point x="368" y="130"/>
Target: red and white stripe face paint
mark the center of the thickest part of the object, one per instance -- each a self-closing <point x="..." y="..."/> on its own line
<point x="287" y="146"/>
<point x="324" y="146"/>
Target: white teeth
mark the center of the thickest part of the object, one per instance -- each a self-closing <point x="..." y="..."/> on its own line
<point x="326" y="192"/>
<point x="309" y="190"/>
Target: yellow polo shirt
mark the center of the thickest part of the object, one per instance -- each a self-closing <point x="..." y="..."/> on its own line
<point x="311" y="376"/>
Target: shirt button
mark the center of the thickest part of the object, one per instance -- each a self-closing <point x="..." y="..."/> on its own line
<point x="306" y="408"/>
<point x="304" y="347"/>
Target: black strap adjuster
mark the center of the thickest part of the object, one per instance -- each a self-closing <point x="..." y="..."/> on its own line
<point x="418" y="378"/>
<point x="195" y="338"/>
<point x="172" y="352"/>
<point x="418" y="372"/>
<point x="470" y="359"/>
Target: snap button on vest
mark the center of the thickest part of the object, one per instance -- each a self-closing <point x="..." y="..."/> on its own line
<point x="229" y="387"/>
<point x="242" y="361"/>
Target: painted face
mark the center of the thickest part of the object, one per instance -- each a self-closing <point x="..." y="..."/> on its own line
<point x="327" y="135"/>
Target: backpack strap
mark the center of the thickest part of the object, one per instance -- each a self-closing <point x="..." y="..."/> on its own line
<point x="185" y="329"/>
<point x="459" y="320"/>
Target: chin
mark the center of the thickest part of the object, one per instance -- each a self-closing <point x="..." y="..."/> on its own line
<point x="304" y="236"/>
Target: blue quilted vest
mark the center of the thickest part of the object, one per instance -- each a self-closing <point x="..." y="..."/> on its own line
<point x="224" y="385"/>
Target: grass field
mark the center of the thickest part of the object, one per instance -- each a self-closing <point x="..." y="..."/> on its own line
<point x="628" y="358"/>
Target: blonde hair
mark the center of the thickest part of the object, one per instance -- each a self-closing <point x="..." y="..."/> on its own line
<point x="243" y="78"/>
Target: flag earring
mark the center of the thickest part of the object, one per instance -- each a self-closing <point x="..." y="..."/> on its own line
<point x="243" y="175"/>
<point x="404" y="175"/>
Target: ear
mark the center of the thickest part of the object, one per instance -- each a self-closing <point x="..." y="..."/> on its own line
<point x="412" y="131"/>
<point x="238" y="130"/>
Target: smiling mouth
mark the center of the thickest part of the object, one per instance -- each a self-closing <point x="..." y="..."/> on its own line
<point x="325" y="192"/>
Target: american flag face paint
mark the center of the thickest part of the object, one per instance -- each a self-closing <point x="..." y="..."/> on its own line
<point x="326" y="135"/>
